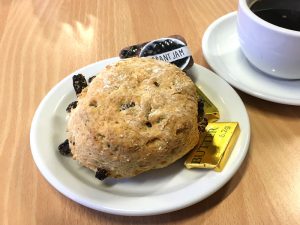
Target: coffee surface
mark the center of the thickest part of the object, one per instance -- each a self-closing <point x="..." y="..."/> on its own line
<point x="282" y="15"/>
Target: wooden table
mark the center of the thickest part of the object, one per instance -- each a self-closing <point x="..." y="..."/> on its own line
<point x="43" y="41"/>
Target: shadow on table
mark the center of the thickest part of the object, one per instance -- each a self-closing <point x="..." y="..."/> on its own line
<point x="263" y="106"/>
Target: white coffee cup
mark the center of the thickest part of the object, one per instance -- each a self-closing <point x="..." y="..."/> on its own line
<point x="272" y="49"/>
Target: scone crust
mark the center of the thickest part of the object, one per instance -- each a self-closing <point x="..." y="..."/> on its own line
<point x="136" y="115"/>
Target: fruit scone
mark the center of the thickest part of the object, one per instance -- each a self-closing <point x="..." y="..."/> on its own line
<point x="136" y="115"/>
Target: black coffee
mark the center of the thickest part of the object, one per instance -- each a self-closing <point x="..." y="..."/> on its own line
<point x="281" y="13"/>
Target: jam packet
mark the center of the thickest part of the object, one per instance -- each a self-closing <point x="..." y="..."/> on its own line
<point x="172" y="49"/>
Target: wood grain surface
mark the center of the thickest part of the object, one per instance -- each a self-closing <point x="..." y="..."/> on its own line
<point x="42" y="41"/>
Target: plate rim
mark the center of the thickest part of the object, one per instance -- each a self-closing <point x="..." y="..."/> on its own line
<point x="68" y="193"/>
<point x="229" y="78"/>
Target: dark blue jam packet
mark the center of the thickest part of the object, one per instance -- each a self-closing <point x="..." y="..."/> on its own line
<point x="172" y="49"/>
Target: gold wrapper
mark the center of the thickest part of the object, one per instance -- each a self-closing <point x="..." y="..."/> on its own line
<point x="214" y="147"/>
<point x="211" y="112"/>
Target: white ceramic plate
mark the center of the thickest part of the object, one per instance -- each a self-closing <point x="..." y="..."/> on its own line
<point x="221" y="50"/>
<point x="154" y="192"/>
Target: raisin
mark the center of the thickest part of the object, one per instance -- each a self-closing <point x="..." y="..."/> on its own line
<point x="101" y="174"/>
<point x="64" y="148"/>
<point x="200" y="109"/>
<point x="123" y="53"/>
<point x="127" y="53"/>
<point x="156" y="84"/>
<point x="127" y="105"/>
<point x="79" y="83"/>
<point x="93" y="103"/>
<point x="202" y="125"/>
<point x="148" y="124"/>
<point x="72" y="105"/>
<point x="91" y="79"/>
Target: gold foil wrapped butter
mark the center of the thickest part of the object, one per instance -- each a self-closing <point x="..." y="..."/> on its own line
<point x="211" y="112"/>
<point x="214" y="147"/>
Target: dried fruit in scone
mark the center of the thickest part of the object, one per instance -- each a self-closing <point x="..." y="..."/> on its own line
<point x="138" y="114"/>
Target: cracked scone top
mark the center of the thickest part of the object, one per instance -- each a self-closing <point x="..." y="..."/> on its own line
<point x="136" y="115"/>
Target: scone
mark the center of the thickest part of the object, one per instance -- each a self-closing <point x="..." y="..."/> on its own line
<point x="136" y="115"/>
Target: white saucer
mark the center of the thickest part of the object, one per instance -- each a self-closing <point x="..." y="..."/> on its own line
<point x="154" y="192"/>
<point x="222" y="52"/>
